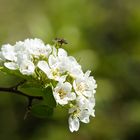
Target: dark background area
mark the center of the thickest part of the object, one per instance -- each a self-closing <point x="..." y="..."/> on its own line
<point x="104" y="36"/>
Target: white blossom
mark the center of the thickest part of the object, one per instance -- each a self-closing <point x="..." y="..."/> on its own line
<point x="27" y="67"/>
<point x="85" y="85"/>
<point x="51" y="72"/>
<point x="88" y="104"/>
<point x="62" y="93"/>
<point x="76" y="116"/>
<point x="74" y="124"/>
<point x="8" y="52"/>
<point x="54" y="67"/>
<point x="36" y="47"/>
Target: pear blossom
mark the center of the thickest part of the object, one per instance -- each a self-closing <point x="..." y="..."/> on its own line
<point x="85" y="85"/>
<point x="8" y="52"/>
<point x="86" y="104"/>
<point x="27" y="67"/>
<point x="76" y="116"/>
<point x="34" y="47"/>
<point x="57" y="65"/>
<point x="62" y="93"/>
<point x="80" y="112"/>
<point x="52" y="66"/>
<point x="51" y="73"/>
<point x="74" y="124"/>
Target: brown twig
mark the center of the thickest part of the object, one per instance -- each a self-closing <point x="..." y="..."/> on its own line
<point x="14" y="90"/>
<point x="28" y="108"/>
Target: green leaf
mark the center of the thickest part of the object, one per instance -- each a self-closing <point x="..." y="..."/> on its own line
<point x="16" y="73"/>
<point x="42" y="111"/>
<point x="12" y="72"/>
<point x="8" y="80"/>
<point x="48" y="97"/>
<point x="31" y="88"/>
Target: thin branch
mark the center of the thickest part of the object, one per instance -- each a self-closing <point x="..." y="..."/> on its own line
<point x="28" y="108"/>
<point x="14" y="90"/>
<point x="19" y="84"/>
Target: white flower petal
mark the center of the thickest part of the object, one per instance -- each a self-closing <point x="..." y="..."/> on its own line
<point x="67" y="86"/>
<point x="52" y="61"/>
<point x="71" y="96"/>
<point x="54" y="51"/>
<point x="93" y="113"/>
<point x="1" y="56"/>
<point x="27" y="67"/>
<point x="43" y="65"/>
<point x="62" y="78"/>
<point x="88" y="93"/>
<point x="48" y="49"/>
<point x="73" y="124"/>
<point x="8" y="52"/>
<point x="11" y="65"/>
<point x="87" y="74"/>
<point x="84" y="116"/>
<point x="62" y="53"/>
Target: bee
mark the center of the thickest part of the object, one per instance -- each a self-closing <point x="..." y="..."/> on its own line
<point x="60" y="41"/>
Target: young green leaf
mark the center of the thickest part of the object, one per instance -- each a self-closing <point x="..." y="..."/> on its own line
<point x="6" y="79"/>
<point x="48" y="97"/>
<point x="32" y="89"/>
<point x="42" y="111"/>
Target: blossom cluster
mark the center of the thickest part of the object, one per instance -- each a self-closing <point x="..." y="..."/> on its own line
<point x="51" y="64"/>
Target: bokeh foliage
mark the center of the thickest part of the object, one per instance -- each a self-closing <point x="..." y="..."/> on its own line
<point x="104" y="36"/>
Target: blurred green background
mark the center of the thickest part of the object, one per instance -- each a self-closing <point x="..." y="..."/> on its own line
<point x="104" y="36"/>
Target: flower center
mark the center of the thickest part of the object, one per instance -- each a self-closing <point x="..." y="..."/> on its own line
<point x="76" y="113"/>
<point x="81" y="87"/>
<point x="61" y="93"/>
<point x="55" y="73"/>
